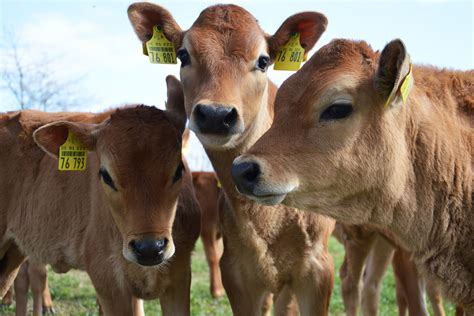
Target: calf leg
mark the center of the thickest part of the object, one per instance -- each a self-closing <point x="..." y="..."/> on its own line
<point x="286" y="303"/>
<point x="401" y="299"/>
<point x="407" y="275"/>
<point x="313" y="291"/>
<point x="435" y="298"/>
<point x="176" y="300"/>
<point x="47" y="300"/>
<point x="116" y="304"/>
<point x="42" y="302"/>
<point x="460" y="311"/>
<point x="213" y="249"/>
<point x="113" y="300"/>
<point x="267" y="304"/>
<point x="377" y="263"/>
<point x="7" y="299"/>
<point x="22" y="285"/>
<point x="137" y="305"/>
<point x="357" y="246"/>
<point x="9" y="266"/>
<point x="245" y="292"/>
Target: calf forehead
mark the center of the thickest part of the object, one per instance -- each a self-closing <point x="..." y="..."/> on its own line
<point x="340" y="52"/>
<point x="223" y="18"/>
<point x="224" y="31"/>
<point x="141" y="138"/>
<point x="338" y="65"/>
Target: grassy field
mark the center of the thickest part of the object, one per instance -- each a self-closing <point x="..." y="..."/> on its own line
<point x="73" y="293"/>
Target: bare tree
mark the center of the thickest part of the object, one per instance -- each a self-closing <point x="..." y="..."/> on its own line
<point x="35" y="80"/>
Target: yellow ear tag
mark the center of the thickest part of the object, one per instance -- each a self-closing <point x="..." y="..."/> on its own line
<point x="219" y="185"/>
<point x="159" y="49"/>
<point x="291" y="55"/>
<point x="405" y="86"/>
<point x="72" y="155"/>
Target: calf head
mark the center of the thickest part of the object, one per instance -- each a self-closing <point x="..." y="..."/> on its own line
<point x="224" y="59"/>
<point x="337" y="136"/>
<point x="139" y="149"/>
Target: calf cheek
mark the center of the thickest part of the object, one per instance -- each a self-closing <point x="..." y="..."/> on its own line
<point x="252" y="92"/>
<point x="190" y="85"/>
<point x="278" y="157"/>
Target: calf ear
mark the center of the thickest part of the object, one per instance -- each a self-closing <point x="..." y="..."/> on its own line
<point x="51" y="136"/>
<point x="144" y="16"/>
<point x="310" y="26"/>
<point x="175" y="102"/>
<point x="394" y="67"/>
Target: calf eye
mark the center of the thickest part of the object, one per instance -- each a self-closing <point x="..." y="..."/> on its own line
<point x="262" y="63"/>
<point x="183" y="55"/>
<point x="336" y="111"/>
<point x="107" y="178"/>
<point x="179" y="172"/>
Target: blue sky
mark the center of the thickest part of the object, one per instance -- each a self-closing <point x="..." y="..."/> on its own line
<point x="95" y="39"/>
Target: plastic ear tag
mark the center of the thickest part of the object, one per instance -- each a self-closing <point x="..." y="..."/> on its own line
<point x="291" y="55"/>
<point x="405" y="86"/>
<point x="72" y="155"/>
<point x="159" y="49"/>
<point x="219" y="184"/>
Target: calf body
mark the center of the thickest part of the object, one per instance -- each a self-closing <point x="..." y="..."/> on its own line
<point x="103" y="223"/>
<point x="368" y="138"/>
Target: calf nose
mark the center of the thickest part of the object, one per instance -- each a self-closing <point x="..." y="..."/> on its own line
<point x="149" y="252"/>
<point x="215" y="119"/>
<point x="245" y="175"/>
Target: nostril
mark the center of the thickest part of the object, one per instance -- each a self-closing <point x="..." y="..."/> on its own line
<point x="245" y="175"/>
<point x="148" y="247"/>
<point x="251" y="172"/>
<point x="162" y="243"/>
<point x="231" y="118"/>
<point x="199" y="113"/>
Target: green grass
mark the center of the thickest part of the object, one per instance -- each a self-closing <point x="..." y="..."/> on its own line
<point x="73" y="293"/>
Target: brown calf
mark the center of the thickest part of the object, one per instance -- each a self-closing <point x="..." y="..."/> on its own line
<point x="120" y="220"/>
<point x="229" y="100"/>
<point x="345" y="144"/>
<point x="207" y="193"/>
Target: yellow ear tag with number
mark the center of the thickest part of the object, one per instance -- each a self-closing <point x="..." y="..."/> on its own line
<point x="72" y="155"/>
<point x="291" y="55"/>
<point x="159" y="49"/>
